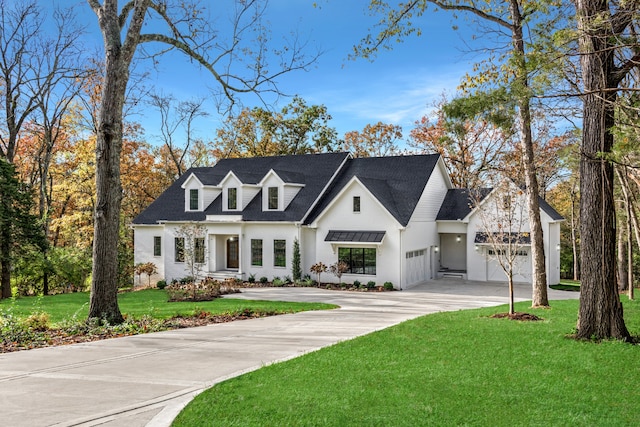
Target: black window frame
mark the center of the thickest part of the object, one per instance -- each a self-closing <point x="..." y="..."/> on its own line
<point x="194" y="199"/>
<point x="279" y="253"/>
<point x="232" y="206"/>
<point x="359" y="260"/>
<point x="356" y="204"/>
<point x="256" y="253"/>
<point x="272" y="198"/>
<point x="157" y="245"/>
<point x="178" y="246"/>
<point x="198" y="250"/>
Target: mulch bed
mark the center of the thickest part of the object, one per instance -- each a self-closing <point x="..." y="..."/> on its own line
<point x="526" y="317"/>
<point x="328" y="286"/>
<point x="57" y="337"/>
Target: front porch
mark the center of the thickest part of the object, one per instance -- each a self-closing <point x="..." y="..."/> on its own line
<point x="453" y="256"/>
<point x="224" y="257"/>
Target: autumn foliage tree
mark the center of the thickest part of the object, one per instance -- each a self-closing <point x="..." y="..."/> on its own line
<point x="377" y="140"/>
<point x="472" y="149"/>
<point x="297" y="129"/>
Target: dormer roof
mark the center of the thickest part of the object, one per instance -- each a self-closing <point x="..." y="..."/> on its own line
<point x="314" y="171"/>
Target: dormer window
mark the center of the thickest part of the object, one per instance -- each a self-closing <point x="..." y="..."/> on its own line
<point x="273" y="198"/>
<point x="232" y="198"/>
<point x="193" y="200"/>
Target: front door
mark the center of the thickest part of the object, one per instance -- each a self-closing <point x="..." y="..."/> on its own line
<point x="232" y="253"/>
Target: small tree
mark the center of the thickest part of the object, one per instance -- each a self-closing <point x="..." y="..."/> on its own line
<point x="318" y="268"/>
<point x="338" y="269"/>
<point x="503" y="215"/>
<point x="147" y="268"/>
<point x="193" y="249"/>
<point x="296" y="270"/>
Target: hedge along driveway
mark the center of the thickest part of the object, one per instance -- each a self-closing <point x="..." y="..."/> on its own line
<point x="148" y="378"/>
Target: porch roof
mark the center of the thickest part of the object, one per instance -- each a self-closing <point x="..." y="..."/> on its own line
<point x="354" y="236"/>
<point x="503" y="238"/>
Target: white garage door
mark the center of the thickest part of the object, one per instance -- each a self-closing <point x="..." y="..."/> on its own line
<point x="522" y="267"/>
<point x="417" y="266"/>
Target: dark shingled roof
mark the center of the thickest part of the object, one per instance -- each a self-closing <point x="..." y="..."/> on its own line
<point x="312" y="170"/>
<point x="397" y="182"/>
<point x="459" y="202"/>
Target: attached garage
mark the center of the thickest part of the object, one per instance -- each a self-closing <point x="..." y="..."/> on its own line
<point x="417" y="266"/>
<point x="522" y="266"/>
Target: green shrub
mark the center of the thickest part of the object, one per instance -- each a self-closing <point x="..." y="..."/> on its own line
<point x="205" y="290"/>
<point x="161" y="284"/>
<point x="388" y="286"/>
<point x="371" y="284"/>
<point x="277" y="281"/>
<point x="287" y="280"/>
<point x="251" y="278"/>
<point x="264" y="279"/>
<point x="38" y="321"/>
<point x="356" y="284"/>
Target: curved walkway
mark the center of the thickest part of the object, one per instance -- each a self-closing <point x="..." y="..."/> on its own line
<point x="145" y="380"/>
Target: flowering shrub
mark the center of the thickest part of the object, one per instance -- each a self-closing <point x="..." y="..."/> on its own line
<point x="205" y="290"/>
<point x="318" y="268"/>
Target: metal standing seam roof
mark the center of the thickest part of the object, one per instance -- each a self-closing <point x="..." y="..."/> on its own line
<point x="354" y="236"/>
<point x="523" y="238"/>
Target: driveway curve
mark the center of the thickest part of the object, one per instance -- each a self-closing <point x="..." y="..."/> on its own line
<point x="145" y="380"/>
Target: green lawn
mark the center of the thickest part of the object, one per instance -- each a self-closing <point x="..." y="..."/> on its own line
<point x="152" y="302"/>
<point x="445" y="369"/>
<point x="567" y="285"/>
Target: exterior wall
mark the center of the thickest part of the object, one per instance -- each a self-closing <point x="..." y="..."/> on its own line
<point x="420" y="237"/>
<point x="143" y="237"/>
<point x="553" y="253"/>
<point x="372" y="216"/>
<point x="272" y="180"/>
<point x="289" y="193"/>
<point x="268" y="233"/>
<point x="193" y="184"/>
<point x="453" y="252"/>
<point x="481" y="266"/>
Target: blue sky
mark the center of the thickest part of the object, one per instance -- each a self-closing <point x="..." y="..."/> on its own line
<point x="399" y="87"/>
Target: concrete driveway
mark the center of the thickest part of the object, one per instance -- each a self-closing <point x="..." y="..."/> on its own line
<point x="146" y="380"/>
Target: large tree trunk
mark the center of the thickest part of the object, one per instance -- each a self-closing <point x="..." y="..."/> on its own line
<point x="600" y="315"/>
<point x="539" y="289"/>
<point x="104" y="281"/>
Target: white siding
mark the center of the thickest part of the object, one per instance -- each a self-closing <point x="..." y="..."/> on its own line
<point x="209" y="194"/>
<point x="267" y="233"/>
<point x="231" y="182"/>
<point x="247" y="193"/>
<point x="143" y="252"/>
<point x="373" y="217"/>
<point x="432" y="197"/>
<point x="290" y="192"/>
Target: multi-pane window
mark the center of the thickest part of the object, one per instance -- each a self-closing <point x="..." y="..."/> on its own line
<point x="232" y="198"/>
<point x="193" y="200"/>
<point x="256" y="252"/>
<point x="157" y="246"/>
<point x="273" y="197"/>
<point x="198" y="250"/>
<point x="356" y="203"/>
<point x="359" y="260"/>
<point x="279" y="253"/>
<point x="179" y="249"/>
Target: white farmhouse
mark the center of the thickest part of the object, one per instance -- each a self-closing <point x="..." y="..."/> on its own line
<point x="391" y="219"/>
